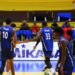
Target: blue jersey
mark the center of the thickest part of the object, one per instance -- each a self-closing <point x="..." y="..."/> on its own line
<point x="69" y="54"/>
<point x="47" y="38"/>
<point x="73" y="34"/>
<point x="27" y="33"/>
<point x="6" y="36"/>
<point x="18" y="32"/>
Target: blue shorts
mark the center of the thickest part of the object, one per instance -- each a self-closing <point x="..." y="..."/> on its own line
<point x="67" y="70"/>
<point x="7" y="53"/>
<point x="48" y="53"/>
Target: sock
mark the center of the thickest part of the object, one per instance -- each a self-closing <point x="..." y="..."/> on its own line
<point x="9" y="72"/>
<point x="52" y="70"/>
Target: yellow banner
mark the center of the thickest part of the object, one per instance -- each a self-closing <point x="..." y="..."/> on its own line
<point x="35" y="5"/>
<point x="36" y="0"/>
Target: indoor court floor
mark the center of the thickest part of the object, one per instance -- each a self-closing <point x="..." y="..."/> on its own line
<point x="31" y="68"/>
<point x="31" y="73"/>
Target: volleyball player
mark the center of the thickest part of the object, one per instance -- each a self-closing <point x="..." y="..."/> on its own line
<point x="65" y="63"/>
<point x="8" y="41"/>
<point x="45" y="35"/>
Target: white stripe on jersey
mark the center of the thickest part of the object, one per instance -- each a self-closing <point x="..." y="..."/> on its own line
<point x="70" y="57"/>
<point x="44" y="44"/>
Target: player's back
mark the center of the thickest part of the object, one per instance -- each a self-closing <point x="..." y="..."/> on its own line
<point x="73" y="33"/>
<point x="47" y="38"/>
<point x="6" y="36"/>
<point x="69" y="54"/>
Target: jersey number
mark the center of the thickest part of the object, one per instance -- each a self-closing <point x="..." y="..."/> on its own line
<point x="5" y="35"/>
<point x="47" y="36"/>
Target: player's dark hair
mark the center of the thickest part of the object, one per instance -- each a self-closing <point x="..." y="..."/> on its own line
<point x="8" y="20"/>
<point x="44" y="24"/>
<point x="13" y="25"/>
<point x="58" y="30"/>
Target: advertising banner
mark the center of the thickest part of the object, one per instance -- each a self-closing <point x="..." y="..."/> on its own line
<point x="25" y="51"/>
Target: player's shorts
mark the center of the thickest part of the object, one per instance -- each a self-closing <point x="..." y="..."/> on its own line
<point x="48" y="53"/>
<point x="7" y="53"/>
<point x="67" y="70"/>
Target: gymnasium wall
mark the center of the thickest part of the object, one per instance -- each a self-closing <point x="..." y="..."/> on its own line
<point x="30" y="24"/>
<point x="31" y="5"/>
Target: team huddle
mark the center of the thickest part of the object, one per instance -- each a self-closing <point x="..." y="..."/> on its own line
<point x="46" y="35"/>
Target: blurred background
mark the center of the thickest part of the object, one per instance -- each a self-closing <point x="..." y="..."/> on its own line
<point x="27" y="17"/>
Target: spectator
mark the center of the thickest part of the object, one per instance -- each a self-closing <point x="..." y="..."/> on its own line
<point x="67" y="30"/>
<point x="25" y="31"/>
<point x="13" y="25"/>
<point x="54" y="24"/>
<point x="35" y="28"/>
<point x="66" y="24"/>
<point x="24" y="26"/>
